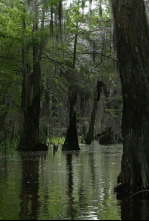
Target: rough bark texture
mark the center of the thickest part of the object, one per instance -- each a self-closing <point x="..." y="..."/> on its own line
<point x="132" y="43"/>
<point x="31" y="95"/>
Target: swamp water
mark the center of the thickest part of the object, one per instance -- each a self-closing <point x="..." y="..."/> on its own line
<point x="65" y="186"/>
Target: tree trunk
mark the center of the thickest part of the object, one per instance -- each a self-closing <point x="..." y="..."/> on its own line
<point x="132" y="41"/>
<point x="2" y="129"/>
<point x="71" y="142"/>
<point x="75" y="50"/>
<point x="90" y="134"/>
<point x="100" y="9"/>
<point x="84" y="116"/>
<point x="51" y="23"/>
<point x="97" y="94"/>
<point x="31" y="95"/>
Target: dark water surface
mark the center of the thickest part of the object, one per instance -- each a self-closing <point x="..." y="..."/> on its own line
<point x="65" y="186"/>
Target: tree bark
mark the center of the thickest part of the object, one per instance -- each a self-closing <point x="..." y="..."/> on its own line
<point x="75" y="50"/>
<point x="132" y="43"/>
<point x="31" y="94"/>
<point x="97" y="94"/>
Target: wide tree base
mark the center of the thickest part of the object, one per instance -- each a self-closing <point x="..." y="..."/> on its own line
<point x="71" y="142"/>
<point x="70" y="146"/>
<point x="89" y="139"/>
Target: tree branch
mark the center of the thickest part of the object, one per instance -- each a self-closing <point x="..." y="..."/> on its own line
<point x="143" y="191"/>
<point x="52" y="60"/>
<point x="99" y="53"/>
<point x="104" y="20"/>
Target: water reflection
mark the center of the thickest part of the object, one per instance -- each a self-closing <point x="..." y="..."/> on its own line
<point x="29" y="197"/>
<point x="70" y="209"/>
<point x="60" y="186"/>
<point x="30" y="188"/>
<point x="92" y="166"/>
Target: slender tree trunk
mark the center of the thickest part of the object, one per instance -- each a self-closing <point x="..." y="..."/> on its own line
<point x="97" y="93"/>
<point x="51" y="23"/>
<point x="75" y="50"/>
<point x="90" y="134"/>
<point x="94" y="51"/>
<point x="132" y="41"/>
<point x="60" y="14"/>
<point x="90" y="10"/>
<point x="83" y="115"/>
<point x="100" y="9"/>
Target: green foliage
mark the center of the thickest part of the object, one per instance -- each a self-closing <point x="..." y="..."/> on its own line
<point x="56" y="41"/>
<point x="9" y="144"/>
<point x="69" y="63"/>
<point x="56" y="140"/>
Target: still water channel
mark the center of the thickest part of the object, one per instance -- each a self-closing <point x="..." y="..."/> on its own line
<point x="65" y="186"/>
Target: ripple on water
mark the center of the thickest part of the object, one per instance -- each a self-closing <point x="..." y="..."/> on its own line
<point x="68" y="185"/>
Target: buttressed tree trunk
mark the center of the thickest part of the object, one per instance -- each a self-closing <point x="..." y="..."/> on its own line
<point x="71" y="142"/>
<point x="132" y="43"/>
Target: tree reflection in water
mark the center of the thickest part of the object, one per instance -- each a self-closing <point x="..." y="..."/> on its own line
<point x="71" y="209"/>
<point x="30" y="205"/>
